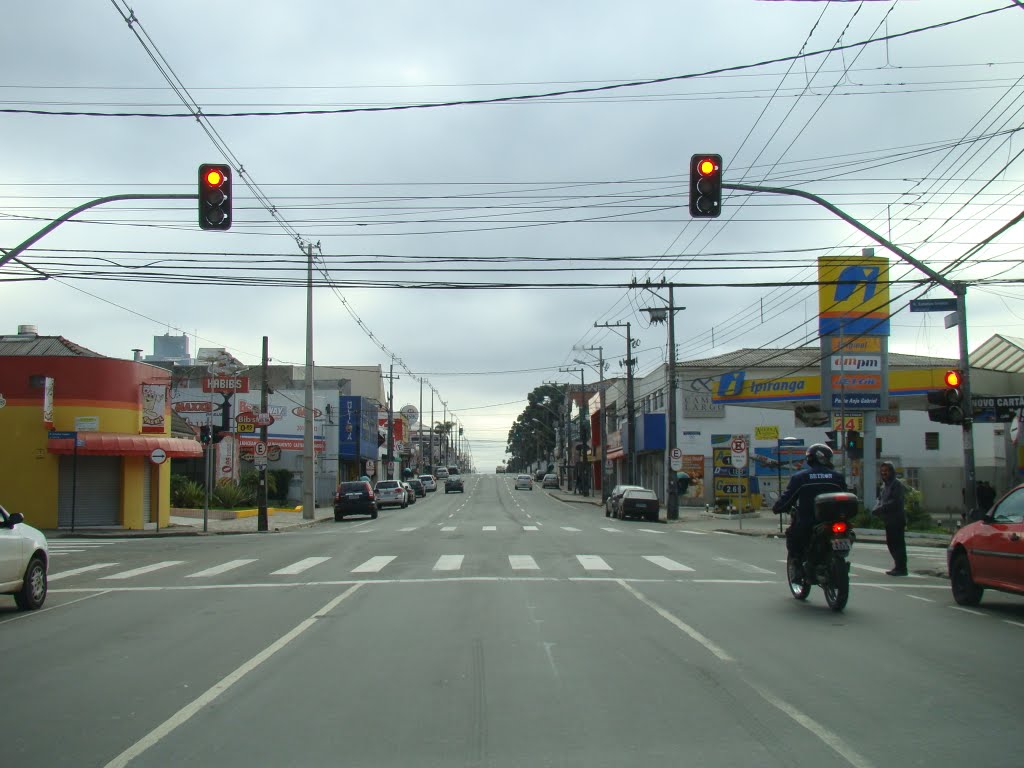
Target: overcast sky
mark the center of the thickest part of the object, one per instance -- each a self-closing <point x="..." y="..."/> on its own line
<point x="918" y="136"/>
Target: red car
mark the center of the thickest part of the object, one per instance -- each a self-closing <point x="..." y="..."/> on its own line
<point x="989" y="553"/>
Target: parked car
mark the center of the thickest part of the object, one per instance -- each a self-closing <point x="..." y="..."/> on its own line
<point x="639" y="502"/>
<point x="429" y="483"/>
<point x="417" y="486"/>
<point x="550" y="481"/>
<point x="390" y="493"/>
<point x="410" y="493"/>
<point x="24" y="561"/>
<point x="354" y="497"/>
<point x="989" y="553"/>
<point x="524" y="483"/>
<point x="611" y="503"/>
<point x="454" y="483"/>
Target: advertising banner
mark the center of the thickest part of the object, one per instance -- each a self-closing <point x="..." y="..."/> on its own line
<point x="154" y="409"/>
<point x="853" y="295"/>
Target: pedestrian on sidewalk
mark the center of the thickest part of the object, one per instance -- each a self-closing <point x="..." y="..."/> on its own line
<point x="890" y="508"/>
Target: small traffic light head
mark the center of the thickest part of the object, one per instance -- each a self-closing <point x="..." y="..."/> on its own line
<point x="705" y="186"/>
<point x="214" y="196"/>
<point x="953" y="378"/>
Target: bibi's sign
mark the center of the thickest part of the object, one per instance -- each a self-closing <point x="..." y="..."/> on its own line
<point x="226" y="384"/>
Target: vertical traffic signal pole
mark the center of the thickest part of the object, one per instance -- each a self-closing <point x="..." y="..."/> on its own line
<point x="967" y="426"/>
<point x="262" y="523"/>
<point x="308" y="461"/>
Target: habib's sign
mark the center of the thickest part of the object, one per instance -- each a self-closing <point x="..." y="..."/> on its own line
<point x="226" y="384"/>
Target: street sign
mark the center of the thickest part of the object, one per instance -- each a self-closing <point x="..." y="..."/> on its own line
<point x="251" y="428"/>
<point x="260" y="449"/>
<point x="61" y="435"/>
<point x="158" y="456"/>
<point x="609" y="465"/>
<point x="933" y="305"/>
<point x="738" y="448"/>
<point x="675" y="460"/>
<point x="260" y="462"/>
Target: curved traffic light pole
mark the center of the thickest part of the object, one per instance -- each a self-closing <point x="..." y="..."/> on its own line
<point x="958" y="289"/>
<point x="20" y="248"/>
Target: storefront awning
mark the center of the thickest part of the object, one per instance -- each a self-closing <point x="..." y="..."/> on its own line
<point x="612" y="454"/>
<point x="111" y="444"/>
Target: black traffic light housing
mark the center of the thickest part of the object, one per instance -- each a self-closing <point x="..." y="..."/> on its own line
<point x="854" y="444"/>
<point x="831" y="439"/>
<point x="948" y="402"/>
<point x="705" y="186"/>
<point x="205" y="435"/>
<point x="214" y="196"/>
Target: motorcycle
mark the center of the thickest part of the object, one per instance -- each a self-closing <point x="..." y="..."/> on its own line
<point x="831" y="542"/>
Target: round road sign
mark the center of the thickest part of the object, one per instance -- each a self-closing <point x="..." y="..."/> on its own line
<point x="158" y="456"/>
<point x="260" y="449"/>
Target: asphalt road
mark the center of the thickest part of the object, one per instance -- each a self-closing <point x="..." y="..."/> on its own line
<point x="498" y="628"/>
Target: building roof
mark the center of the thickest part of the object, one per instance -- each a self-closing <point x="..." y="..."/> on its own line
<point x="1000" y="353"/>
<point x="42" y="346"/>
<point x="799" y="358"/>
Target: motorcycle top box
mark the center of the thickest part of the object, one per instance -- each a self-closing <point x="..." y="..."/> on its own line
<point x="832" y="507"/>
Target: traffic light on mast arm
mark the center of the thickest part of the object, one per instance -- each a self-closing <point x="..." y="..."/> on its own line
<point x="949" y="401"/>
<point x="830" y="440"/>
<point x="705" y="186"/>
<point x="854" y="444"/>
<point x="214" y="196"/>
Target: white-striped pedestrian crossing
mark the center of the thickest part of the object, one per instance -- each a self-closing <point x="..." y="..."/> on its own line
<point x="144" y="569"/>
<point x="79" y="571"/>
<point x="217" y="570"/>
<point x="449" y="563"/>
<point x="523" y="563"/>
<point x="300" y="566"/>
<point x="667" y="563"/>
<point x="374" y="564"/>
<point x="593" y="563"/>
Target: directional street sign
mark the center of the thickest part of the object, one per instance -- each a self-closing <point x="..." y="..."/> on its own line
<point x="158" y="456"/>
<point x="933" y="305"/>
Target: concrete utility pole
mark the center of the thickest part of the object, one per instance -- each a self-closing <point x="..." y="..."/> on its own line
<point x="308" y="467"/>
<point x="603" y="421"/>
<point x="630" y="406"/>
<point x="583" y="443"/>
<point x="389" y="460"/>
<point x="419" y="442"/>
<point x="262" y="522"/>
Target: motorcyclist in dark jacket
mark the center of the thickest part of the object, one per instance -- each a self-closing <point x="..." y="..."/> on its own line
<point x="804" y="486"/>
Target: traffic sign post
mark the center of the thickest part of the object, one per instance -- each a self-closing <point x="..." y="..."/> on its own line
<point x="675" y="460"/>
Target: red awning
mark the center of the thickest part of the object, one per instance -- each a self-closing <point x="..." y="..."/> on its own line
<point x="111" y="444"/>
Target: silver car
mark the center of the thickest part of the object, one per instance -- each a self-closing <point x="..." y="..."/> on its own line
<point x="390" y="493"/>
<point x="524" y="483"/>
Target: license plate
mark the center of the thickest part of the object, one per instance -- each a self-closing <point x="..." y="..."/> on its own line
<point x="352" y="495"/>
<point x="841" y="545"/>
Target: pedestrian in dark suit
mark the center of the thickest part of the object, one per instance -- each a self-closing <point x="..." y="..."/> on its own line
<point x="890" y="508"/>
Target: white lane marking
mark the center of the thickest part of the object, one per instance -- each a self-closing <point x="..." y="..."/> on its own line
<point x="218" y="569"/>
<point x="593" y="563"/>
<point x="448" y="563"/>
<point x="374" y="564"/>
<point x="448" y="528"/>
<point x="694" y="533"/>
<point x="211" y="694"/>
<point x="967" y="610"/>
<point x="667" y="563"/>
<point x="1014" y="623"/>
<point x="410" y="528"/>
<point x="300" y="566"/>
<point x="922" y="599"/>
<point x="452" y="515"/>
<point x="530" y="528"/>
<point x="649" y="530"/>
<point x="523" y="563"/>
<point x="612" y="530"/>
<point x="490" y="528"/>
<point x="143" y="569"/>
<point x="739" y="564"/>
<point x="53" y="551"/>
<point x="570" y="529"/>
<point x="678" y="623"/>
<point x="875" y="569"/>
<point x="829" y="738"/>
<point x="76" y="571"/>
<point x="30" y="614"/>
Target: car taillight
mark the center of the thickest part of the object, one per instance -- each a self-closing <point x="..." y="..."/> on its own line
<point x="839" y="527"/>
<point x="370" y="496"/>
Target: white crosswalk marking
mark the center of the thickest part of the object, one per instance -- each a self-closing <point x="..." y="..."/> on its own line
<point x="410" y="528"/>
<point x="374" y="564"/>
<point x="54" y="552"/>
<point x="76" y="571"/>
<point x="448" y="528"/>
<point x="490" y="527"/>
<point x="530" y="528"/>
<point x="740" y="565"/>
<point x="649" y="530"/>
<point x="667" y="563"/>
<point x="300" y="566"/>
<point x="612" y="530"/>
<point x="694" y="533"/>
<point x="570" y="529"/>
<point x="593" y="563"/>
<point x="144" y="569"/>
<point x="219" y="569"/>
<point x="523" y="563"/>
<point x="448" y="563"/>
<point x="875" y="569"/>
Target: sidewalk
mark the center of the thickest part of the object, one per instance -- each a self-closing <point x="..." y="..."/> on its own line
<point x="190" y="526"/>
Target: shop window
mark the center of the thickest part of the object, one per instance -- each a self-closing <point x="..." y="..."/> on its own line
<point x="931" y="441"/>
<point x="37" y="381"/>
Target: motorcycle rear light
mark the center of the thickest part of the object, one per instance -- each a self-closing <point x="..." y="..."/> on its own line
<point x="839" y="527"/>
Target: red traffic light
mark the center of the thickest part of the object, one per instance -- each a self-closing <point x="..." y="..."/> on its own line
<point x="953" y="378"/>
<point x="706" y="167"/>
<point x="214" y="177"/>
<point x="705" y="186"/>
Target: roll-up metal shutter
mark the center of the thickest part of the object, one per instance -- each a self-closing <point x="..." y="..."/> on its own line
<point x="97" y="491"/>
<point x="147" y="492"/>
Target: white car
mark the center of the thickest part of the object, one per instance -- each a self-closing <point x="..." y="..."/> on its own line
<point x="390" y="493"/>
<point x="429" y="483"/>
<point x="410" y="493"/>
<point x="524" y="483"/>
<point x="24" y="558"/>
<point x="442" y="473"/>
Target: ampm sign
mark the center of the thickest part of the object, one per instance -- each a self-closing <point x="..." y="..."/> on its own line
<point x="853" y="296"/>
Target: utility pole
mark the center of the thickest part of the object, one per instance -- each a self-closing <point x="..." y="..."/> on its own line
<point x="389" y="460"/>
<point x="658" y="315"/>
<point x="308" y="476"/>
<point x="583" y="443"/>
<point x="630" y="406"/>
<point x="262" y="523"/>
<point x="419" y="442"/>
<point x="433" y="469"/>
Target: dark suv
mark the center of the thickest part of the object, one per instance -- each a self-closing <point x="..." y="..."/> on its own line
<point x="454" y="483"/>
<point x="355" y="497"/>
